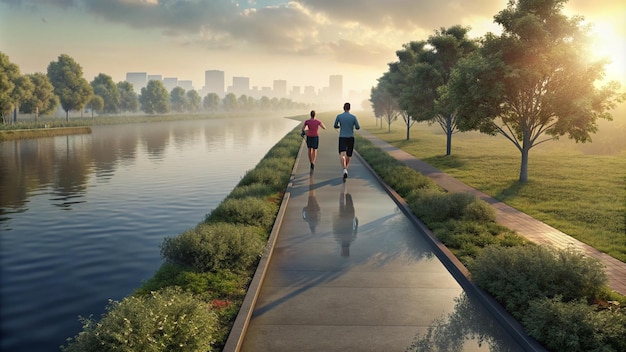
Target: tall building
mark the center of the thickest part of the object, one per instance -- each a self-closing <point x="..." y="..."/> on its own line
<point x="214" y="82"/>
<point x="241" y="85"/>
<point x="187" y="85"/>
<point x="280" y="88"/>
<point x="335" y="88"/>
<point x="155" y="78"/>
<point x="137" y="79"/>
<point x="170" y="83"/>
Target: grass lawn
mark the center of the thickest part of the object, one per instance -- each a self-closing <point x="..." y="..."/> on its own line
<point x="579" y="189"/>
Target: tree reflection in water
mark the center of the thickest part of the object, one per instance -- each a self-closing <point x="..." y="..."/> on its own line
<point x="468" y="323"/>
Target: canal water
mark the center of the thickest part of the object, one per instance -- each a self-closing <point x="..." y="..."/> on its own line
<point x="82" y="217"/>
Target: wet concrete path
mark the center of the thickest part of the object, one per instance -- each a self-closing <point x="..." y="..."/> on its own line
<point x="350" y="270"/>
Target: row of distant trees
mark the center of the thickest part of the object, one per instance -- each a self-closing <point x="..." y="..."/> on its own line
<point x="64" y="84"/>
<point x="532" y="84"/>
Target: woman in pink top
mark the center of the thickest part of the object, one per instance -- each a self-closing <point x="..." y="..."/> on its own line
<point x="311" y="129"/>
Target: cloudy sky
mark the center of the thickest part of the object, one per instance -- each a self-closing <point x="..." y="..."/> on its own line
<point x="303" y="41"/>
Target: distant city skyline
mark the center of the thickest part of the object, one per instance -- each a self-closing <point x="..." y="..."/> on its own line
<point x="215" y="82"/>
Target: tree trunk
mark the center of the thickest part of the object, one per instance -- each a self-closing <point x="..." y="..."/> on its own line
<point x="408" y="128"/>
<point x="523" y="173"/>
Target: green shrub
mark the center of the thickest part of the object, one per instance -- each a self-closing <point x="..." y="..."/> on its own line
<point x="479" y="210"/>
<point x="434" y="206"/>
<point x="168" y="320"/>
<point x="271" y="177"/>
<point x="517" y="275"/>
<point x="246" y="211"/>
<point x="575" y="326"/>
<point x="403" y="180"/>
<point x="222" y="284"/>
<point x="255" y="190"/>
<point x="216" y="246"/>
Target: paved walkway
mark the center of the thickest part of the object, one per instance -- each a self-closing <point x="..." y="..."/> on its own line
<point x="532" y="229"/>
<point x="348" y="268"/>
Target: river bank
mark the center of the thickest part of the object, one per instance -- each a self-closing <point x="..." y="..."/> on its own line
<point x="9" y="135"/>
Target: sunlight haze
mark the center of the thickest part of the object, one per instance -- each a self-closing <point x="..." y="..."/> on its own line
<point x="303" y="42"/>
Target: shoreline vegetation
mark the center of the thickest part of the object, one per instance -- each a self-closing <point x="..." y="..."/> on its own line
<point x="560" y="297"/>
<point x="9" y="135"/>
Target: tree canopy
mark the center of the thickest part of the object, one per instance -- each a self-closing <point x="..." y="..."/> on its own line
<point x="534" y="82"/>
<point x="42" y="100"/>
<point x="129" y="101"/>
<point x="73" y="90"/>
<point x="104" y="86"/>
<point x="9" y="72"/>
<point x="154" y="98"/>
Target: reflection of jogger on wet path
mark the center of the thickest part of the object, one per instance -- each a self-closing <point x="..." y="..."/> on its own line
<point x="312" y="213"/>
<point x="345" y="224"/>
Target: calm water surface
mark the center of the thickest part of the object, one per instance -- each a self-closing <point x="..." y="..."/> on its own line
<point x="82" y="217"/>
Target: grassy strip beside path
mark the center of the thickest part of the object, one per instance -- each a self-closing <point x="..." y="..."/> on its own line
<point x="8" y="135"/>
<point x="581" y="194"/>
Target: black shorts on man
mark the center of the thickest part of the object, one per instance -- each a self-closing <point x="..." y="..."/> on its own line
<point x="346" y="144"/>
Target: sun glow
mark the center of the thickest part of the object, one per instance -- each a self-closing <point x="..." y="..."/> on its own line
<point x="608" y="44"/>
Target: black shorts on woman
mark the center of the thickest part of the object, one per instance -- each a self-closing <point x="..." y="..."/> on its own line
<point x="312" y="142"/>
<point x="346" y="144"/>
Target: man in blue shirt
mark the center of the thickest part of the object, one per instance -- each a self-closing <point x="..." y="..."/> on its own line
<point x="346" y="123"/>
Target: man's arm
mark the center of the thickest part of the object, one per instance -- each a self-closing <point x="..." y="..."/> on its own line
<point x="336" y="125"/>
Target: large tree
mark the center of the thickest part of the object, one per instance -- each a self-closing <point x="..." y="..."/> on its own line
<point x="104" y="86"/>
<point x="229" y="102"/>
<point x="9" y="72"/>
<point x="384" y="104"/>
<point x="66" y="75"/>
<point x="128" y="98"/>
<point x="194" y="102"/>
<point x="211" y="102"/>
<point x="154" y="98"/>
<point x="396" y="83"/>
<point x="533" y="83"/>
<point x="96" y="104"/>
<point x="43" y="100"/>
<point x="178" y="99"/>
<point x="22" y="92"/>
<point x="429" y="72"/>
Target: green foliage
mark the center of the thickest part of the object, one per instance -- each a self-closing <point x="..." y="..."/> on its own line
<point x="517" y="275"/>
<point x="178" y="99"/>
<point x="215" y="246"/>
<point x="220" y="284"/>
<point x="266" y="175"/>
<point x="167" y="320"/>
<point x="255" y="190"/>
<point x="576" y="326"/>
<point x="246" y="211"/>
<point x="193" y="101"/>
<point x="104" y="86"/>
<point x="129" y="101"/>
<point x="43" y="100"/>
<point x="9" y="72"/>
<point x="539" y="47"/>
<point x="66" y="75"/>
<point x="434" y="206"/>
<point x="154" y="98"/>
